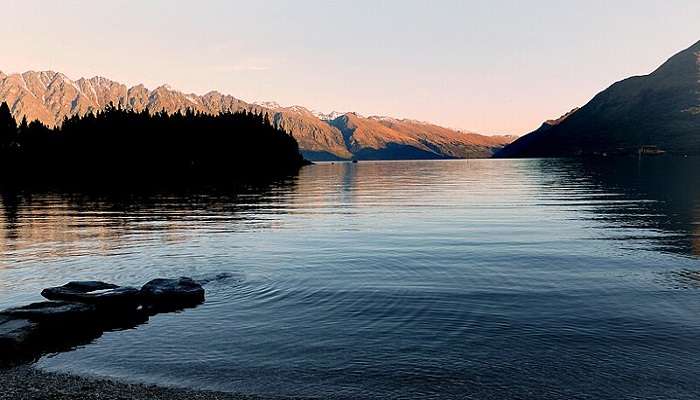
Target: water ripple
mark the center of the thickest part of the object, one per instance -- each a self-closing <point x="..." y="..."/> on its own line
<point x="552" y="279"/>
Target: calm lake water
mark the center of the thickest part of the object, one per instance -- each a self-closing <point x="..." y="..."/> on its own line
<point x="487" y="279"/>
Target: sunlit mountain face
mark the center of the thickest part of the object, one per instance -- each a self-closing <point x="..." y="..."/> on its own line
<point x="51" y="96"/>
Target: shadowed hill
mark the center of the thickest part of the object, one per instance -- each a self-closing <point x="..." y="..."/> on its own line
<point x="660" y="109"/>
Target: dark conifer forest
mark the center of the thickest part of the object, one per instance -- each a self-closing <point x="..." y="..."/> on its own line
<point x="124" y="146"/>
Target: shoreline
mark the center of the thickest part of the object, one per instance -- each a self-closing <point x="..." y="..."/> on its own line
<point x="30" y="383"/>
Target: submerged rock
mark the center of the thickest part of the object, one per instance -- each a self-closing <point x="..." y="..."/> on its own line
<point x="218" y="277"/>
<point x="94" y="292"/>
<point x="181" y="290"/>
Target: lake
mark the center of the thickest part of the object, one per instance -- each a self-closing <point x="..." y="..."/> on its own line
<point x="484" y="279"/>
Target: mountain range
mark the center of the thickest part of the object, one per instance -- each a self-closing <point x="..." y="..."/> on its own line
<point x="660" y="111"/>
<point x="50" y="97"/>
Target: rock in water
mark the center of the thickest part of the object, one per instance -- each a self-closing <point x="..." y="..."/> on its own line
<point x="100" y="294"/>
<point x="70" y="289"/>
<point x="82" y="311"/>
<point x="173" y="291"/>
<point x="52" y="311"/>
<point x="13" y="334"/>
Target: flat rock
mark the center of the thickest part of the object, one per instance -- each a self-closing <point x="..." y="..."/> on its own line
<point x="79" y="312"/>
<point x="51" y="311"/>
<point x="94" y="292"/>
<point x="73" y="288"/>
<point x="15" y="328"/>
<point x="181" y="290"/>
<point x="13" y="333"/>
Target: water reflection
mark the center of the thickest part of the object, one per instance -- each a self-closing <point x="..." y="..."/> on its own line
<point x="69" y="333"/>
<point x="658" y="195"/>
<point x="59" y="224"/>
<point x="486" y="278"/>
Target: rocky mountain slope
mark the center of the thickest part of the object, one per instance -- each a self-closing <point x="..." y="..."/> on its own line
<point x="51" y="96"/>
<point x="661" y="109"/>
<point x="390" y="138"/>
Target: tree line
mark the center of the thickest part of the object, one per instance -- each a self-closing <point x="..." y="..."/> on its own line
<point x="123" y="145"/>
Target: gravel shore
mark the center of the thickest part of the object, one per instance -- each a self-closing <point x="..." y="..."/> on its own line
<point x="27" y="383"/>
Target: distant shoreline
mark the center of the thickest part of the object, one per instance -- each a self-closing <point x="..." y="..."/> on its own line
<point x="29" y="383"/>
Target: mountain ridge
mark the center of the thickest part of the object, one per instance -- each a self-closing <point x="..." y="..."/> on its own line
<point x="51" y="96"/>
<point x="659" y="109"/>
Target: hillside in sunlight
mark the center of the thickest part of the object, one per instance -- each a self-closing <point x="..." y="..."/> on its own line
<point x="50" y="97"/>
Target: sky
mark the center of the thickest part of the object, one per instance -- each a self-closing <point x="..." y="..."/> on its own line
<point x="495" y="67"/>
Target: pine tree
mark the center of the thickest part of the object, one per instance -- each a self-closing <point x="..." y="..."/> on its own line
<point x="7" y="121"/>
<point x="8" y="127"/>
<point x="24" y="125"/>
<point x="117" y="144"/>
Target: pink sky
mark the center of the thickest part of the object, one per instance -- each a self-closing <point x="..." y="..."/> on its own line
<point x="492" y="67"/>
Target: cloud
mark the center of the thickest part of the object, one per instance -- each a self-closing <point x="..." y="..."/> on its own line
<point x="246" y="67"/>
<point x="243" y="67"/>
